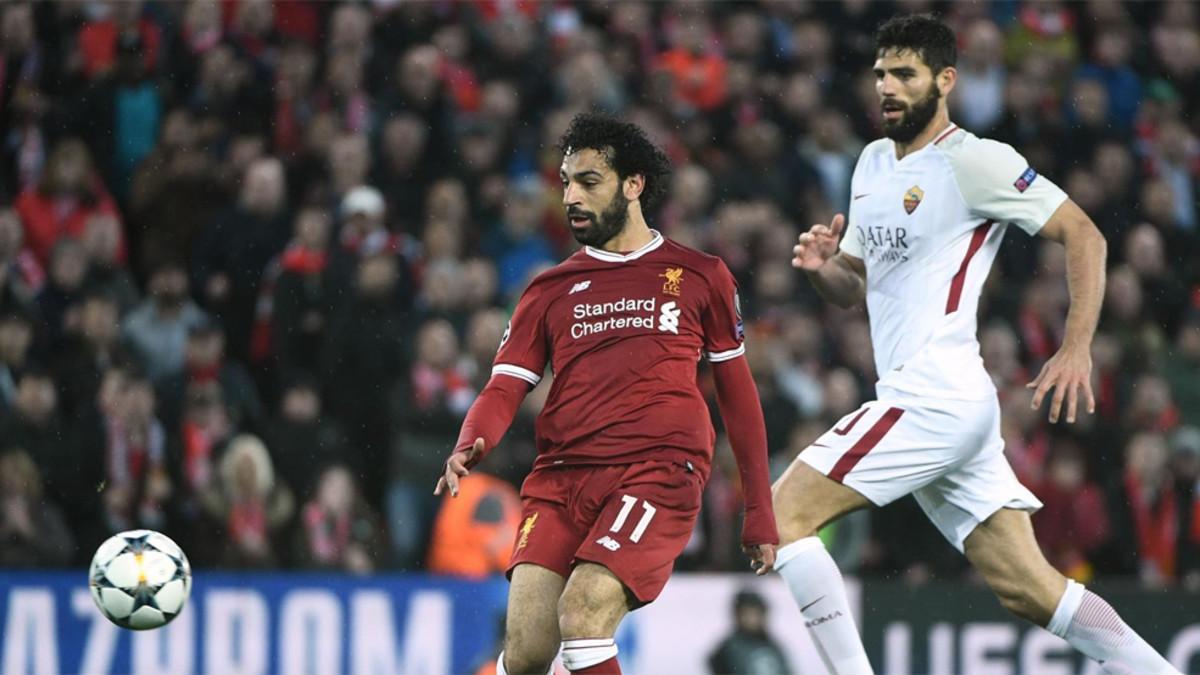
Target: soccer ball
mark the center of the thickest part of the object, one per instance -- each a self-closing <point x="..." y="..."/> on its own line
<point x="140" y="579"/>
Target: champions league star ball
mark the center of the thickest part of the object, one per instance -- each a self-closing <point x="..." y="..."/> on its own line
<point x="140" y="579"/>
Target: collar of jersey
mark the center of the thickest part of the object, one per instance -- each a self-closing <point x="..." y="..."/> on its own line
<point x="608" y="256"/>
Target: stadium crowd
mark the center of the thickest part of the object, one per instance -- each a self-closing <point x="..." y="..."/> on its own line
<point x="256" y="257"/>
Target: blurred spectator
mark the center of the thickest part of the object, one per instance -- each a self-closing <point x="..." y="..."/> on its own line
<point x="100" y="39"/>
<point x="301" y="437"/>
<point x="58" y="301"/>
<point x="88" y="352"/>
<point x="231" y="253"/>
<point x="157" y="330"/>
<point x="1112" y="49"/>
<point x="439" y="393"/>
<point x="248" y="507"/>
<point x="1182" y="368"/>
<point x="138" y="486"/>
<point x="33" y="532"/>
<point x="35" y="425"/>
<point x="68" y="195"/>
<point x="364" y="233"/>
<point x="362" y="363"/>
<point x="105" y="271"/>
<point x="205" y="362"/>
<point x="1185" y="464"/>
<point x="696" y="69"/>
<point x="474" y="532"/>
<point x="21" y="275"/>
<point x="338" y="530"/>
<point x="296" y="298"/>
<point x="517" y="243"/>
<point x="979" y="97"/>
<point x="16" y="338"/>
<point x="749" y="648"/>
<point x="1147" y="516"/>
<point x="1073" y="522"/>
<point x="1176" y="160"/>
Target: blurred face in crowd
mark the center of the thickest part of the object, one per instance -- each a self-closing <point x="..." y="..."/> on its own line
<point x="841" y="392"/>
<point x="349" y="28"/>
<point x="68" y="264"/>
<point x="16" y="28"/>
<point x="480" y="283"/>
<point x="349" y="160"/>
<point x="301" y="404"/>
<point x="484" y="334"/>
<point x="312" y="229"/>
<point x="595" y="196"/>
<point x="68" y="168"/>
<point x="16" y="334"/>
<point x="169" y="287"/>
<point x="205" y="348"/>
<point x="102" y="239"/>
<point x="418" y="73"/>
<point x="336" y="491"/>
<point x="1124" y="296"/>
<point x="437" y="344"/>
<point x="12" y="236"/>
<point x="263" y="191"/>
<point x="99" y="320"/>
<point x="36" y="398"/>
<point x="751" y="618"/>
<point x="404" y="139"/>
<point x="1066" y="468"/>
<point x="1188" y="340"/>
<point x="909" y="92"/>
<point x="137" y="402"/>
<point x="377" y="276"/>
<point x="1144" y="251"/>
<point x="1146" y="457"/>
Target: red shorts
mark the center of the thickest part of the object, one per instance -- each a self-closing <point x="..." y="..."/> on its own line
<point x="634" y="519"/>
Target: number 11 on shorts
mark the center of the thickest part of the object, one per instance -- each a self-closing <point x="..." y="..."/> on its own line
<point x="638" y="531"/>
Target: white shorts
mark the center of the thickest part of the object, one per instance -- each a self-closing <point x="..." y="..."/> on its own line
<point x="948" y="454"/>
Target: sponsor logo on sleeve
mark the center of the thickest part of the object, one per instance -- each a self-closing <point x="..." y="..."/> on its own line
<point x="1025" y="180"/>
<point x="739" y="325"/>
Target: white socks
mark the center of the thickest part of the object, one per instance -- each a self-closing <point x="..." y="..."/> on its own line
<point x="816" y="584"/>
<point x="1093" y="627"/>
<point x="585" y="653"/>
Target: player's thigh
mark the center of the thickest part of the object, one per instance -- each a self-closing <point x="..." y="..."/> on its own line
<point x="531" y="626"/>
<point x="1005" y="552"/>
<point x="643" y="519"/>
<point x="805" y="500"/>
<point x="593" y="603"/>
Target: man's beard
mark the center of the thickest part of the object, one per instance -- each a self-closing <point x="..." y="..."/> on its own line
<point x="915" y="119"/>
<point x="610" y="223"/>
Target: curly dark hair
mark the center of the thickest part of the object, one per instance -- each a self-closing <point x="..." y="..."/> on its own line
<point x="925" y="34"/>
<point x="628" y="151"/>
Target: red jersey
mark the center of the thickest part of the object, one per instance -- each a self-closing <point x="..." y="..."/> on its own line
<point x="622" y="335"/>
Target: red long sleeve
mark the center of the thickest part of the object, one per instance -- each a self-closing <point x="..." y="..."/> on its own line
<point x="491" y="414"/>
<point x="740" y="408"/>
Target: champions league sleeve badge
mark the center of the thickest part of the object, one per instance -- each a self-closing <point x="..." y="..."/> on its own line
<point x="1025" y="180"/>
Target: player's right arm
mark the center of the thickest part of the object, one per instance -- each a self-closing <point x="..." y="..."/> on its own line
<point x="518" y="368"/>
<point x="839" y="276"/>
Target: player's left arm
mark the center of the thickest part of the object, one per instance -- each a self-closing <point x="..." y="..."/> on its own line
<point x="998" y="184"/>
<point x="737" y="398"/>
<point x="1070" y="369"/>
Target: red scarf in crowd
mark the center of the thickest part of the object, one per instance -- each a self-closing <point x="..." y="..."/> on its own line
<point x="327" y="536"/>
<point x="1157" y="526"/>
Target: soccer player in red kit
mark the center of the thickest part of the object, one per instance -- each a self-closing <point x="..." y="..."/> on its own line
<point x="624" y="441"/>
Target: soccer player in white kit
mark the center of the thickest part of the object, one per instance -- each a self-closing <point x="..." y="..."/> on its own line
<point x="929" y="206"/>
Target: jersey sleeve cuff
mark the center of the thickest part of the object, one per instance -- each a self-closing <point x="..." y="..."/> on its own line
<point x="717" y="357"/>
<point x="517" y="372"/>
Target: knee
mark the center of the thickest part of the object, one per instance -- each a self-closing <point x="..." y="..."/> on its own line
<point x="527" y="654"/>
<point x="1024" y="599"/>
<point x="580" y="615"/>
<point x="791" y="518"/>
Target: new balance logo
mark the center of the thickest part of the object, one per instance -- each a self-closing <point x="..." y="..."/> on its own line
<point x="581" y="286"/>
<point x="668" y="321"/>
<point x="608" y="543"/>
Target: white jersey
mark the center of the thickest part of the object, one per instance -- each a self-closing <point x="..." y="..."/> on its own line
<point x="928" y="228"/>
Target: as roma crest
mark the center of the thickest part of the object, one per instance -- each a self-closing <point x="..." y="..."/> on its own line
<point x="912" y="198"/>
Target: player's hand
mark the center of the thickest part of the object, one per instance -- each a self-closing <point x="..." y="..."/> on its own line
<point x="456" y="467"/>
<point x="762" y="557"/>
<point x="1066" y="373"/>
<point x="818" y="245"/>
